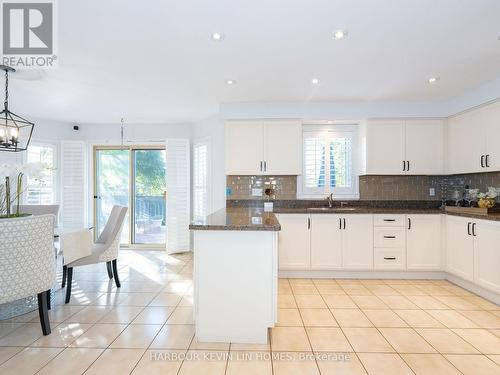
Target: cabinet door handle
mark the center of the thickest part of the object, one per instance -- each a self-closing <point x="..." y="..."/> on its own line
<point x="407" y="165"/>
<point x="468" y="228"/>
<point x="487" y="161"/>
<point x="389" y="219"/>
<point x="340" y="223"/>
<point x="390" y="258"/>
<point x="390" y="237"/>
<point x="261" y="166"/>
<point x="409" y="223"/>
<point x="265" y="166"/>
<point x="404" y="165"/>
<point x="308" y="223"/>
<point x="474" y="229"/>
<point x="482" y="161"/>
<point x="344" y="222"/>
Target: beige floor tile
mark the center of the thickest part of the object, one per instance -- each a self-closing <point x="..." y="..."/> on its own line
<point x="89" y="314"/>
<point x="289" y="339"/>
<point x="159" y="362"/>
<point x="483" y="340"/>
<point x="62" y="335"/>
<point x="285" y="289"/>
<point x="339" y="302"/>
<point x="29" y="361"/>
<point x="483" y="319"/>
<point x="452" y="319"/>
<point x="136" y="336"/>
<point x="427" y="302"/>
<point x="429" y="364"/>
<point x="115" y="361"/>
<point x="334" y="289"/>
<point x="318" y="318"/>
<point x="327" y="339"/>
<point x="204" y="363"/>
<point x="474" y="364"/>
<point x="217" y="346"/>
<point x="351" y="318"/>
<point x="384" y="318"/>
<point x="398" y="302"/>
<point x="457" y="303"/>
<point x="369" y="302"/>
<point x="294" y="282"/>
<point x="71" y="361"/>
<point x="483" y="303"/>
<point x="446" y="341"/>
<point x="153" y="315"/>
<point x="7" y="352"/>
<point x="109" y="299"/>
<point x="166" y="299"/>
<point x="406" y="340"/>
<point x="495" y="358"/>
<point x="121" y="314"/>
<point x="249" y="363"/>
<point x="495" y="332"/>
<point x="137" y="299"/>
<point x="409" y="290"/>
<point x="297" y="367"/>
<point x="174" y="337"/>
<point x="304" y="289"/>
<point x="355" y="290"/>
<point x="367" y="340"/>
<point x="181" y="315"/>
<point x="342" y="364"/>
<point x="382" y="290"/>
<point x="289" y="318"/>
<point x="98" y="336"/>
<point x="418" y="318"/>
<point x="8" y="327"/>
<point x="59" y="313"/>
<point x="310" y="301"/>
<point x="24" y="335"/>
<point x="250" y="347"/>
<point x="286" y="301"/>
<point x="324" y="282"/>
<point x="384" y="364"/>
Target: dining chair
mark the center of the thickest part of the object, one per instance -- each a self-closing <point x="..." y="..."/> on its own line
<point x="41" y="209"/>
<point x="27" y="263"/>
<point x="104" y="249"/>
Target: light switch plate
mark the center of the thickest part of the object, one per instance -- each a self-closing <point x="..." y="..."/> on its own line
<point x="432" y="192"/>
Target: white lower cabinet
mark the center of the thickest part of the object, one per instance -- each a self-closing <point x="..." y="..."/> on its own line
<point x="423" y="243"/>
<point x="326" y="242"/>
<point x="294" y="242"/>
<point x="357" y="242"/>
<point x="487" y="254"/>
<point x="460" y="247"/>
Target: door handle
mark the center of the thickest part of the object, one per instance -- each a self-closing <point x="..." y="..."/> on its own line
<point x="468" y="228"/>
<point x="389" y="219"/>
<point x="409" y="223"/>
<point x="390" y="237"/>
<point x="308" y="223"/>
<point x="404" y="166"/>
<point x="487" y="161"/>
<point x="390" y="258"/>
<point x="261" y="166"/>
<point x="265" y="166"/>
<point x="482" y="161"/>
<point x="340" y="223"/>
<point x="344" y="222"/>
<point x="474" y="229"/>
<point x="407" y="165"/>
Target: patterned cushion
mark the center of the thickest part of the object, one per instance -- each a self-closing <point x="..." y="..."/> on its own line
<point x="27" y="261"/>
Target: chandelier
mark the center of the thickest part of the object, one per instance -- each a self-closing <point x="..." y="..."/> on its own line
<point x="15" y="131"/>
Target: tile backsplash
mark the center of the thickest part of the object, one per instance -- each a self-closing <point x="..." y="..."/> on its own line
<point x="384" y="188"/>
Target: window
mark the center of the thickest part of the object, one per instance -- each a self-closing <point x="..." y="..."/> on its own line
<point x="200" y="178"/>
<point x="328" y="162"/>
<point x="41" y="191"/>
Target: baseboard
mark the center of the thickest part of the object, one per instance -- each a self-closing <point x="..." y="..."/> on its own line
<point x="471" y="287"/>
<point x="340" y="274"/>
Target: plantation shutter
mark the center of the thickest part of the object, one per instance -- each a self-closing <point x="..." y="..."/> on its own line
<point x="73" y="183"/>
<point x="178" y="195"/>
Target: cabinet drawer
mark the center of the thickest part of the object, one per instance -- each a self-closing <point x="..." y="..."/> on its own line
<point x="389" y="259"/>
<point x="389" y="237"/>
<point x="389" y="220"/>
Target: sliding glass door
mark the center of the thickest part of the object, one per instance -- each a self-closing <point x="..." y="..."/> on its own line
<point x="132" y="177"/>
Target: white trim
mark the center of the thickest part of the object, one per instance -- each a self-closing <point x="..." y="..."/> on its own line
<point x="208" y="142"/>
<point x="343" y="274"/>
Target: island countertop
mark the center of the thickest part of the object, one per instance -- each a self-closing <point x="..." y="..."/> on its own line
<point x="238" y="219"/>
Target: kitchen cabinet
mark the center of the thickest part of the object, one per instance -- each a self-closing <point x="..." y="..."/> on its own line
<point x="491" y="120"/>
<point x="389" y="235"/>
<point x="357" y="242"/>
<point x="326" y="241"/>
<point x="294" y="245"/>
<point x="487" y="254"/>
<point x="272" y="147"/>
<point x="394" y="147"/>
<point x="460" y="247"/>
<point x="423" y="243"/>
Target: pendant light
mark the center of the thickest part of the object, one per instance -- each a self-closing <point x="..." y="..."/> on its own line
<point x="15" y="131"/>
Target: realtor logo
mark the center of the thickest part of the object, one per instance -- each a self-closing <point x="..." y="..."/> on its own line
<point x="28" y="34"/>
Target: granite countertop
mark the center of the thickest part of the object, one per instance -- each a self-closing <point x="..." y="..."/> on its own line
<point x="495" y="215"/>
<point x="238" y="219"/>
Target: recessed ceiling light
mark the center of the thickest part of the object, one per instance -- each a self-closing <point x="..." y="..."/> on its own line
<point x="217" y="36"/>
<point x="339" y="34"/>
<point x="315" y="81"/>
<point x="230" y="82"/>
<point x="433" y="79"/>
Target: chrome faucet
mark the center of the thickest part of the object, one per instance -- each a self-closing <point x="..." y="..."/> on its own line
<point x="329" y="199"/>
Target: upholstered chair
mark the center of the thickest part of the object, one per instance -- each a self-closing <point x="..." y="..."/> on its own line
<point x="105" y="249"/>
<point x="41" y="209"/>
<point x="27" y="262"/>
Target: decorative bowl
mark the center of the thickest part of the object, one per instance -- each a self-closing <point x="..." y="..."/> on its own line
<point x="486" y="202"/>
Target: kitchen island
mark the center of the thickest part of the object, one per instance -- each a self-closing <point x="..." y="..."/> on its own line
<point x="235" y="275"/>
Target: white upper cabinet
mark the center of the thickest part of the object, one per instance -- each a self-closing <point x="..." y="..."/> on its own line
<point x="424" y="147"/>
<point x="423" y="242"/>
<point x="472" y="140"/>
<point x="244" y="147"/>
<point x="257" y="147"/>
<point x="283" y="147"/>
<point x="385" y="147"/>
<point x="395" y="147"/>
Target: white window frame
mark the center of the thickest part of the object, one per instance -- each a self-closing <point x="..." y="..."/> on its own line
<point x="206" y="141"/>
<point x="55" y="174"/>
<point x="338" y="193"/>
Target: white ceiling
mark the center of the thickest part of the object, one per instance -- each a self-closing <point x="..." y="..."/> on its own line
<point x="154" y="61"/>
